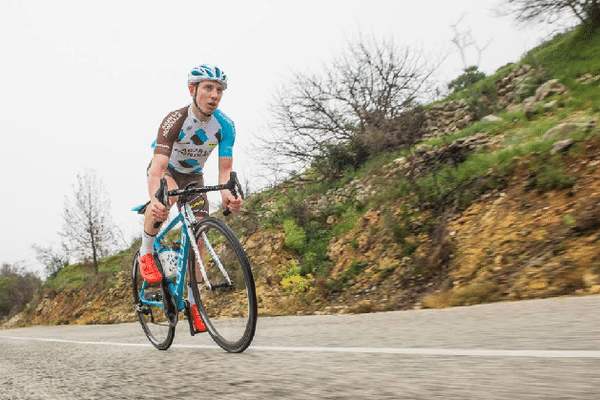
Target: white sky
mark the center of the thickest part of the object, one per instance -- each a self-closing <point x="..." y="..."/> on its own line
<point x="85" y="84"/>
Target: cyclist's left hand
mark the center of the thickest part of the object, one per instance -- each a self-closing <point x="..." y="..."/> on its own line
<point x="232" y="203"/>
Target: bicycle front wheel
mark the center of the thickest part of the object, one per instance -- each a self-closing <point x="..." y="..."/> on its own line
<point x="148" y="303"/>
<point x="227" y="302"/>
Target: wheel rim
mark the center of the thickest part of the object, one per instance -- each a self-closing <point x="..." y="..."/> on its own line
<point x="229" y="311"/>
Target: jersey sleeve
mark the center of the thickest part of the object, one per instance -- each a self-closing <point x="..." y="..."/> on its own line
<point x="168" y="132"/>
<point x="227" y="135"/>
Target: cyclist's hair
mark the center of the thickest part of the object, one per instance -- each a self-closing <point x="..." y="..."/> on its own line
<point x="207" y="72"/>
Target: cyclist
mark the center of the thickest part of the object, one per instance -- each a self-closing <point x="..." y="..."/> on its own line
<point x="185" y="139"/>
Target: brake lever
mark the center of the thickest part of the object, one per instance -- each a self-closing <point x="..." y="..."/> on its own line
<point x="235" y="189"/>
<point x="162" y="194"/>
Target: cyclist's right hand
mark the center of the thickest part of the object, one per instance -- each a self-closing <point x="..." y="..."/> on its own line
<point x="159" y="203"/>
<point x="158" y="211"/>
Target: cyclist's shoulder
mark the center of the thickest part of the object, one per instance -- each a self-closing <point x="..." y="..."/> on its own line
<point x="180" y="113"/>
<point x="223" y="118"/>
<point x="174" y="120"/>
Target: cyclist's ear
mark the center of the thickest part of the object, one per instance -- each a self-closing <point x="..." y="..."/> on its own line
<point x="192" y="87"/>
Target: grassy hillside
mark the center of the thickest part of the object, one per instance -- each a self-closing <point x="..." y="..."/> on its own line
<point x="504" y="209"/>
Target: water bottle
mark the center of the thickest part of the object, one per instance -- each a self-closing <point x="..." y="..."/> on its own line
<point x="169" y="258"/>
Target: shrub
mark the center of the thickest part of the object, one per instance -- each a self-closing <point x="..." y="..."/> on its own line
<point x="17" y="288"/>
<point x="338" y="157"/>
<point x="482" y="97"/>
<point x="469" y="77"/>
<point x="296" y="284"/>
<point x="295" y="236"/>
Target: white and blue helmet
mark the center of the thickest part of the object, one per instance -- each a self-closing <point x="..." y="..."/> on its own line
<point x="206" y="72"/>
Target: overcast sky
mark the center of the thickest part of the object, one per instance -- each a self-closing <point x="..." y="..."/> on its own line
<point x="85" y="84"/>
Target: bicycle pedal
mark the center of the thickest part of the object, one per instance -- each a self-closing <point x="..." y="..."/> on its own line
<point x="143" y="309"/>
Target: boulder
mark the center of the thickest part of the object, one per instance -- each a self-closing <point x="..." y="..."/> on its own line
<point x="568" y="128"/>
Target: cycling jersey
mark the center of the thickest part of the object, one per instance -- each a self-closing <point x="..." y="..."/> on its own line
<point x="188" y="142"/>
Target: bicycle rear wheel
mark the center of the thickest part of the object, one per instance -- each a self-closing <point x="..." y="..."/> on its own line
<point x="148" y="300"/>
<point x="228" y="309"/>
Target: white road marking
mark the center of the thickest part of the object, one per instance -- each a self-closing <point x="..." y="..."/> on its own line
<point x="358" y="350"/>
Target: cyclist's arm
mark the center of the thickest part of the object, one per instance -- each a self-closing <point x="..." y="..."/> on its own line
<point x="156" y="211"/>
<point x="157" y="170"/>
<point x="163" y="147"/>
<point x="225" y="168"/>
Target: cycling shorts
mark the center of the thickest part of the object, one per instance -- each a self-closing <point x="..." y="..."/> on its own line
<point x="199" y="202"/>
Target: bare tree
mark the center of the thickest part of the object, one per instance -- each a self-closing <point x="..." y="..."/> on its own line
<point x="464" y="40"/>
<point x="550" y="11"/>
<point x="369" y="85"/>
<point x="53" y="260"/>
<point x="88" y="231"/>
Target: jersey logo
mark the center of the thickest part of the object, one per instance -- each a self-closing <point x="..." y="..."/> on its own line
<point x="170" y="122"/>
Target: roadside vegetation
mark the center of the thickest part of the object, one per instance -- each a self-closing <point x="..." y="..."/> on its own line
<point x="369" y="191"/>
<point x="309" y="229"/>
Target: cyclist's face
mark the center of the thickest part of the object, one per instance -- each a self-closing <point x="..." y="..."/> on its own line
<point x="208" y="96"/>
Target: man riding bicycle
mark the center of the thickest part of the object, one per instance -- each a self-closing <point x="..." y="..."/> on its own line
<point x="185" y="140"/>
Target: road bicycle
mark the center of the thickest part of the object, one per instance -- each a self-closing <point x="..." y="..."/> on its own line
<point x="207" y="254"/>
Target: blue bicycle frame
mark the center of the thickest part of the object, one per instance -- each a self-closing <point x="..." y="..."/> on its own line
<point x="187" y="219"/>
<point x="184" y="217"/>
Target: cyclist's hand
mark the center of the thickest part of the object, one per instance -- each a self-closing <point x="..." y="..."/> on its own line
<point x="229" y="202"/>
<point x="158" y="211"/>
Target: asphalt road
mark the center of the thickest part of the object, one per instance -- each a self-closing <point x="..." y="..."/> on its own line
<point x="543" y="349"/>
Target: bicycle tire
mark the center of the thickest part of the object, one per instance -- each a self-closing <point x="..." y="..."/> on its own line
<point x="155" y="323"/>
<point x="229" y="311"/>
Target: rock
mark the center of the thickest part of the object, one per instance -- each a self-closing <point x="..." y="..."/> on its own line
<point x="422" y="148"/>
<point x="561" y="146"/>
<point x="549" y="88"/>
<point x="491" y="118"/>
<point x="530" y="109"/>
<point x="588" y="78"/>
<point x="565" y="129"/>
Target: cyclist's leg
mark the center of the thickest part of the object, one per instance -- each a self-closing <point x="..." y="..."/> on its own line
<point x="146" y="257"/>
<point x="198" y="203"/>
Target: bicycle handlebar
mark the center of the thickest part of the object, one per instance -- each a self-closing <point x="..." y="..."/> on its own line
<point x="233" y="185"/>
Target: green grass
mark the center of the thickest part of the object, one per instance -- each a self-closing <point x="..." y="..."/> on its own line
<point x="71" y="276"/>
<point x="568" y="55"/>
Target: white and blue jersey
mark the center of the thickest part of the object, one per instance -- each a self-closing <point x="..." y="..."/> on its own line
<point x="188" y="142"/>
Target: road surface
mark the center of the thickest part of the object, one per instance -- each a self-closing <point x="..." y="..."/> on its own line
<point x="541" y="349"/>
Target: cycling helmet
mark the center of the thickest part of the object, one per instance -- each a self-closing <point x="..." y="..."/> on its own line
<point x="206" y="72"/>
